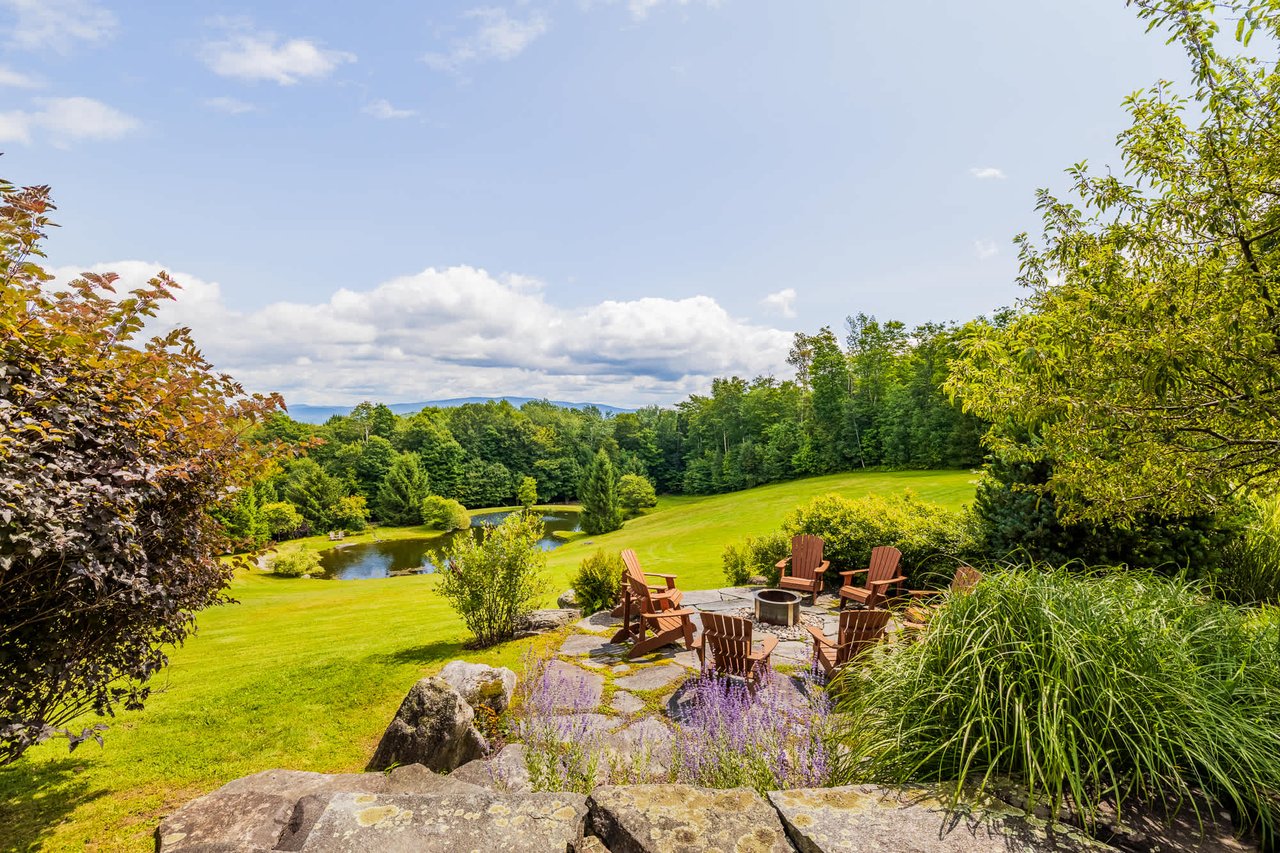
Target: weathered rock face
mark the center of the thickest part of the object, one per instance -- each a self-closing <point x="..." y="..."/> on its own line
<point x="433" y="728"/>
<point x="494" y="823"/>
<point x="567" y="600"/>
<point x="858" y="819"/>
<point x="257" y="812"/>
<point x="541" y="621"/>
<point x="480" y="685"/>
<point x="678" y="818"/>
<point x="506" y="771"/>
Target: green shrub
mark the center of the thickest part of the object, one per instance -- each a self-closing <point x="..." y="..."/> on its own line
<point x="350" y="514"/>
<point x="1121" y="686"/>
<point x="282" y="519"/>
<point x="929" y="536"/>
<point x="494" y="580"/>
<point x="444" y="513"/>
<point x="1249" y="569"/>
<point x="755" y="556"/>
<point x="295" y="564"/>
<point x="636" y="493"/>
<point x="596" y="583"/>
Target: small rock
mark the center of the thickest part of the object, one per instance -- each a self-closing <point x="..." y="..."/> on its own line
<point x="543" y="621"/>
<point x="758" y="580"/>
<point x="651" y="677"/>
<point x="433" y="727"/>
<point x="624" y="703"/>
<point x="568" y="599"/>
<point x="505" y="771"/>
<point x="480" y="684"/>
<point x="679" y="818"/>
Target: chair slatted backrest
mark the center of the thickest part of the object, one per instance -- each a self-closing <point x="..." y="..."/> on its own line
<point x="884" y="563"/>
<point x="729" y="638"/>
<point x="806" y="555"/>
<point x="966" y="578"/>
<point x="636" y="580"/>
<point x="859" y="630"/>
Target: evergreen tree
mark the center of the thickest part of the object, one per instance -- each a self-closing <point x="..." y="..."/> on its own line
<point x="400" y="496"/>
<point x="527" y="494"/>
<point x="599" y="495"/>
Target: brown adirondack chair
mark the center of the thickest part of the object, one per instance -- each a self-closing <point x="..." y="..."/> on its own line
<point x="919" y="612"/>
<point x="859" y="631"/>
<point x="651" y="609"/>
<point x="881" y="574"/>
<point x="728" y="638"/>
<point x="806" y="565"/>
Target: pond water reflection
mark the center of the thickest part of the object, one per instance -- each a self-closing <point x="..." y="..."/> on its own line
<point x="410" y="556"/>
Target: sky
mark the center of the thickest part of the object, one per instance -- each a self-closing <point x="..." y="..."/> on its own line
<point x="586" y="200"/>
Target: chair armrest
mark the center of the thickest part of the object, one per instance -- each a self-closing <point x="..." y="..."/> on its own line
<point x="853" y="572"/>
<point x="670" y="579"/>
<point x="768" y="643"/>
<point x="888" y="581"/>
<point x="782" y="564"/>
<point x="818" y="636"/>
<point x="822" y="567"/>
<point x="924" y="593"/>
<point x="662" y="614"/>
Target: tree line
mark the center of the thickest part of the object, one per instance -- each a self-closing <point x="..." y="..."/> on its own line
<point x="877" y="400"/>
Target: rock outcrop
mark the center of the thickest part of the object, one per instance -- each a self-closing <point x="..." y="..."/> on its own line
<point x="434" y="727"/>
<point x="542" y="621"/>
<point x="480" y="684"/>
<point x="679" y="818"/>
<point x="859" y="818"/>
<point x="506" y="771"/>
<point x="567" y="600"/>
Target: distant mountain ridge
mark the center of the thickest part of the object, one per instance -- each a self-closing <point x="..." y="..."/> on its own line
<point x="319" y="414"/>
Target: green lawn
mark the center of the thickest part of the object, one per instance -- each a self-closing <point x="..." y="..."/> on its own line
<point x="305" y="674"/>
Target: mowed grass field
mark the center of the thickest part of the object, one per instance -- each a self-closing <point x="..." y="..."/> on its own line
<point x="305" y="674"/>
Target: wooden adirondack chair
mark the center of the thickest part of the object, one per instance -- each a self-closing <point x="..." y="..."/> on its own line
<point x="729" y="640"/>
<point x="806" y="564"/>
<point x="859" y="631"/>
<point x="881" y="574"/>
<point x="919" y="612"/>
<point x="651" y="609"/>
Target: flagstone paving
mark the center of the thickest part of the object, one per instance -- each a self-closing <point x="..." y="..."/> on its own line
<point x="624" y="703"/>
<point x="651" y="677"/>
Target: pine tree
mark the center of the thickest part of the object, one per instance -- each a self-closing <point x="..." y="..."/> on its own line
<point x="401" y="493"/>
<point x="599" y="495"/>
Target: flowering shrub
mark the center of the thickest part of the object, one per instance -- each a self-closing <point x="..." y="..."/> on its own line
<point x="562" y="748"/>
<point x="767" y="741"/>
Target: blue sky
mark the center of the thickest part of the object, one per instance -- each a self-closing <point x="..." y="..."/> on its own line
<point x="612" y="201"/>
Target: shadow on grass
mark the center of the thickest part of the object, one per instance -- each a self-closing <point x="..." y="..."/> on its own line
<point x="36" y="796"/>
<point x="440" y="650"/>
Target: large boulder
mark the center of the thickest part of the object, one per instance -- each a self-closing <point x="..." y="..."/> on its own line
<point x="568" y="599"/>
<point x="858" y="819"/>
<point x="256" y="812"/>
<point x="434" y="727"/>
<point x="494" y="823"/>
<point x="480" y="684"/>
<point x="678" y="818"/>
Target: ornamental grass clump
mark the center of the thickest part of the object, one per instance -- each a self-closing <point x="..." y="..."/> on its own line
<point x="777" y="738"/>
<point x="1116" y="687"/>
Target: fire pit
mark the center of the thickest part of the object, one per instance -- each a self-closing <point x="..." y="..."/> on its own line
<point x="778" y="606"/>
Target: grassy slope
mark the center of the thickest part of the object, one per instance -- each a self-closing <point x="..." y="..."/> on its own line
<point x="305" y="674"/>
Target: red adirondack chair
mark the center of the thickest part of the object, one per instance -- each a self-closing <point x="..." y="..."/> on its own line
<point x="881" y="575"/>
<point x="729" y="640"/>
<point x="859" y="631"/>
<point x="917" y="614"/>
<point x="651" y="610"/>
<point x="806" y="565"/>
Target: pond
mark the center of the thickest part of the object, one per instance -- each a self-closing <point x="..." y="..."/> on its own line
<point x="410" y="556"/>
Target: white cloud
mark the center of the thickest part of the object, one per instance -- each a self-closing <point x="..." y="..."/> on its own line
<point x="230" y="106"/>
<point x="782" y="302"/>
<point x="17" y="80"/>
<point x="249" y="55"/>
<point x="986" y="173"/>
<point x="382" y="109"/>
<point x="985" y="249"/>
<point x="65" y="120"/>
<point x="497" y="36"/>
<point x="56" y="24"/>
<point x="461" y="331"/>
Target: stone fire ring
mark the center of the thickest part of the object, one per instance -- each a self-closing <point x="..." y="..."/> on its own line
<point x="778" y="606"/>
